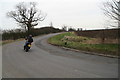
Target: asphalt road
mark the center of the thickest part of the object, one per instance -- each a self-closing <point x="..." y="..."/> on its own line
<point x="48" y="61"/>
<point x="0" y="61"/>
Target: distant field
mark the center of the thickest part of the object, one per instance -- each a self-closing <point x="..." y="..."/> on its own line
<point x="70" y="40"/>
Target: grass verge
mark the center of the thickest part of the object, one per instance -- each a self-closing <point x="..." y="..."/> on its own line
<point x="70" y="40"/>
<point x="9" y="41"/>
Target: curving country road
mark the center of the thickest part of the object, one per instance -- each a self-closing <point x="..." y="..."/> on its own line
<point x="48" y="61"/>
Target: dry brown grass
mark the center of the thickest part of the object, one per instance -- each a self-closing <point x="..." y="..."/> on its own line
<point x="9" y="41"/>
<point x="99" y="41"/>
<point x="86" y="40"/>
<point x="114" y="41"/>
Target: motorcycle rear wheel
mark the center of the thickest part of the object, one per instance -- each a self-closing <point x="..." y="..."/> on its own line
<point x="26" y="50"/>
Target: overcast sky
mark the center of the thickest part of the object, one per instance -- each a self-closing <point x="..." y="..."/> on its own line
<point x="84" y="14"/>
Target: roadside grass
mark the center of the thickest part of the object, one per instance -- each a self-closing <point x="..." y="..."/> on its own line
<point x="6" y="41"/>
<point x="70" y="40"/>
<point x="0" y="42"/>
<point x="9" y="41"/>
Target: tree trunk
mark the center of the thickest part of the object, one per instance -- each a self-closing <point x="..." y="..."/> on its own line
<point x="29" y="29"/>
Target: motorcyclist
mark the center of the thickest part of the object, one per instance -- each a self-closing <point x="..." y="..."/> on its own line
<point x="28" y="39"/>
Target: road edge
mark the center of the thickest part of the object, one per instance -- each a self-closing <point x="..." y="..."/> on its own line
<point x="85" y="52"/>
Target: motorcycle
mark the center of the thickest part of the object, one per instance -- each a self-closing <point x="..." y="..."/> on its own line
<point x="27" y="46"/>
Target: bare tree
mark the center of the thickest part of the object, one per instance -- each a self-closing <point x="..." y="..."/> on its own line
<point x="27" y="15"/>
<point x="112" y="10"/>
